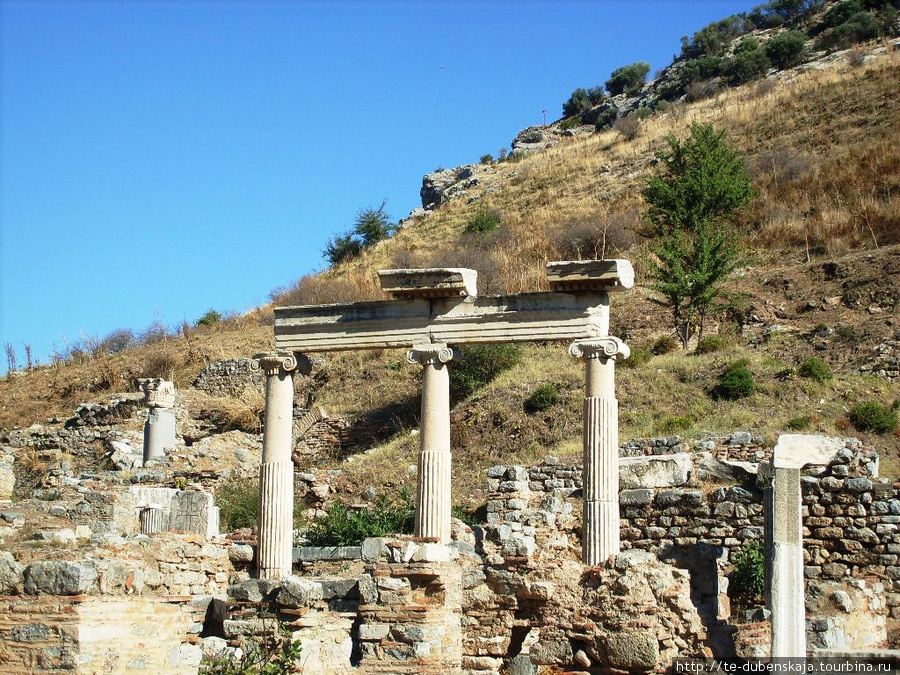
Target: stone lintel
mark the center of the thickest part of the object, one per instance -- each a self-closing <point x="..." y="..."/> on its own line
<point x="590" y="275"/>
<point x="437" y="282"/>
<point x="386" y="324"/>
<point x="795" y="451"/>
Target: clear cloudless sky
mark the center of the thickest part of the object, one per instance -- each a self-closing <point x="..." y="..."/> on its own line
<point x="159" y="159"/>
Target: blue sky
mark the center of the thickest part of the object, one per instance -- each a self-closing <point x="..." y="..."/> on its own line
<point x="158" y="159"/>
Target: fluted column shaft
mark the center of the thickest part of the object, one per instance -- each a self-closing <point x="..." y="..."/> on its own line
<point x="433" y="491"/>
<point x="600" y="477"/>
<point x="276" y="474"/>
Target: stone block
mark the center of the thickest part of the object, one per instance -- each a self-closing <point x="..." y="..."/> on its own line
<point x="11" y="574"/>
<point x="298" y="592"/>
<point x="374" y="631"/>
<point x="59" y="578"/>
<point x="655" y="471"/>
<point x="638" y="497"/>
<point x="631" y="650"/>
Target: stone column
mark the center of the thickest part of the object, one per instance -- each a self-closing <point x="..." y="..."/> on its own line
<point x="151" y="519"/>
<point x="787" y="595"/>
<point x="433" y="494"/>
<point x="159" y="430"/>
<point x="784" y="520"/>
<point x="276" y="473"/>
<point x="600" y="526"/>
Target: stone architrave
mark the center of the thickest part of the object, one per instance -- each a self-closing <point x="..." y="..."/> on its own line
<point x="159" y="430"/>
<point x="784" y="526"/>
<point x="600" y="534"/>
<point x="433" y="491"/>
<point x="276" y="473"/>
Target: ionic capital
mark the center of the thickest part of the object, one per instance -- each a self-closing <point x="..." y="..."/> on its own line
<point x="608" y="347"/>
<point x="280" y="364"/>
<point x="158" y="393"/>
<point x="430" y="354"/>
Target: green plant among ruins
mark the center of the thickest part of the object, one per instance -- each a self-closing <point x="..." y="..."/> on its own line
<point x="238" y="502"/>
<point x="272" y="653"/>
<point x="343" y="526"/>
<point x="747" y="581"/>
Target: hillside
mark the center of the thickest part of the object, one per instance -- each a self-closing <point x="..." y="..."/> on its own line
<point x="823" y="279"/>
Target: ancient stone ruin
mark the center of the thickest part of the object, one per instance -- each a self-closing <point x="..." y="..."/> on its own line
<point x="618" y="563"/>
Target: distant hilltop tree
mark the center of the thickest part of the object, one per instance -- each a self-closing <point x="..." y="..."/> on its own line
<point x="628" y="79"/>
<point x="370" y="227"/>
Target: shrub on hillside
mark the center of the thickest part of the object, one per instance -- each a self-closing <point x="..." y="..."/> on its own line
<point x="343" y="526"/>
<point x="709" y="344"/>
<point x="860" y="27"/>
<point x="545" y="396"/>
<point x="578" y="102"/>
<point x="117" y="341"/>
<point x="801" y="423"/>
<point x="638" y="357"/>
<point x="479" y="365"/>
<point x="596" y="94"/>
<point x="675" y="424"/>
<point x="371" y="226"/>
<point x="628" y="79"/>
<point x="816" y="369"/>
<point x="482" y="221"/>
<point x="873" y="416"/>
<point x="629" y="127"/>
<point x="748" y="63"/>
<point x="211" y="318"/>
<point x="533" y="136"/>
<point x="785" y="50"/>
<point x="736" y="382"/>
<point x="487" y="159"/>
<point x="665" y="344"/>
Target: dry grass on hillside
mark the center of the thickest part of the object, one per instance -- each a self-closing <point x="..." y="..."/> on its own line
<point x="822" y="145"/>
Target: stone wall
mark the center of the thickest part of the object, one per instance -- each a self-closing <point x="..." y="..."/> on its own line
<point x="229" y="378"/>
<point x="83" y="634"/>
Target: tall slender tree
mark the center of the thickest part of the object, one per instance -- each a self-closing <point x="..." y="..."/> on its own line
<point x="692" y="201"/>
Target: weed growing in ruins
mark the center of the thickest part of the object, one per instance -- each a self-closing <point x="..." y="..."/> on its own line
<point x="343" y="526"/>
<point x="272" y="653"/>
<point x="747" y="581"/>
<point x="238" y="502"/>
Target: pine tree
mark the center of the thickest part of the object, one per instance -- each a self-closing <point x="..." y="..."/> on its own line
<point x="691" y="202"/>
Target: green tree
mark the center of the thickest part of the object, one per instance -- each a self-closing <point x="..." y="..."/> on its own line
<point x="370" y="227"/>
<point x="578" y="102"/>
<point x="786" y="49"/>
<point x="702" y="184"/>
<point x="628" y="79"/>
